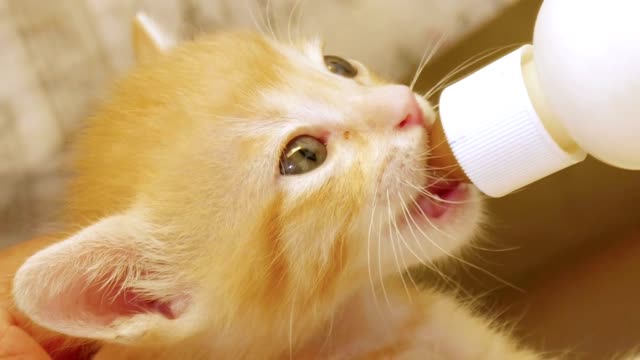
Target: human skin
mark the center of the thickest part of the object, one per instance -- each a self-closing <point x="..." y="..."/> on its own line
<point x="16" y="343"/>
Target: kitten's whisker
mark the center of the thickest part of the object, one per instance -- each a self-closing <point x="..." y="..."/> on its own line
<point x="462" y="67"/>
<point x="371" y="282"/>
<point x="380" y="275"/>
<point x="458" y="69"/>
<point x="407" y="213"/>
<point x="406" y="245"/>
<point x="404" y="260"/>
<point x="426" y="193"/>
<point x="268" y="16"/>
<point x="327" y="339"/>
<point x="481" y="248"/>
<point x="258" y="25"/>
<point x="393" y="246"/>
<point x="457" y="258"/>
<point x="299" y="21"/>
<point x="448" y="167"/>
<point x="431" y="265"/>
<point x="293" y="11"/>
<point x="433" y="147"/>
<point x="465" y="65"/>
<point x="293" y="305"/>
<point x="429" y="154"/>
<point x="262" y="22"/>
<point x="425" y="60"/>
<point x="434" y="177"/>
<point x="434" y="197"/>
<point x="418" y="69"/>
<point x="440" y="178"/>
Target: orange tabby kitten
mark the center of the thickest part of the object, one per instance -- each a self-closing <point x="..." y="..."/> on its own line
<point x="240" y="198"/>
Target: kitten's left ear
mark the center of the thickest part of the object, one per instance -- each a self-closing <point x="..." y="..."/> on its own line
<point x="112" y="281"/>
<point x="149" y="40"/>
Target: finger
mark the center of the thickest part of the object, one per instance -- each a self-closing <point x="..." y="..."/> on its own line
<point x="5" y="317"/>
<point x="16" y="344"/>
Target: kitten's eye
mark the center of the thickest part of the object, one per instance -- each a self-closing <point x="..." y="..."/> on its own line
<point x="340" y="66"/>
<point x="302" y="154"/>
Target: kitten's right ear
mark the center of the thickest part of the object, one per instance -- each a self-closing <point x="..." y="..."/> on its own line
<point x="149" y="40"/>
<point x="112" y="281"/>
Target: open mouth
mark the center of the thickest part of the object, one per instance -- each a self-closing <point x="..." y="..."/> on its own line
<point x="439" y="198"/>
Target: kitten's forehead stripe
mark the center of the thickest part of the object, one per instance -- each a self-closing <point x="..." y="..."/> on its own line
<point x="277" y="264"/>
<point x="329" y="276"/>
<point x="339" y="217"/>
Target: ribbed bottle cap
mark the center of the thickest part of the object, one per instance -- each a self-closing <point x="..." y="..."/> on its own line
<point x="494" y="132"/>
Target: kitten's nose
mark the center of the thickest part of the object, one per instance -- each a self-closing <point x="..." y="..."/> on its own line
<point x="414" y="114"/>
<point x="396" y="106"/>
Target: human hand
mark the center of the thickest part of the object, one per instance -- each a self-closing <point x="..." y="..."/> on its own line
<point x="15" y="343"/>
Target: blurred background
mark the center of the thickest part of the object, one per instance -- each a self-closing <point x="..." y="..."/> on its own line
<point x="568" y="245"/>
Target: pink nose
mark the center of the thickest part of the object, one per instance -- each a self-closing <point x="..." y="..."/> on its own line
<point x="393" y="106"/>
<point x="414" y="117"/>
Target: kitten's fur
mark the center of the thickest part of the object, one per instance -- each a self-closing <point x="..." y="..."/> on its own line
<point x="183" y="241"/>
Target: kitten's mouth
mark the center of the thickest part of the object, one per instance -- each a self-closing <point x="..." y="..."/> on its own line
<point x="439" y="198"/>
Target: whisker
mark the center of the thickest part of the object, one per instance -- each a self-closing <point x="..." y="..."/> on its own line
<point x="418" y="69"/>
<point x="371" y="282"/>
<point x="432" y="266"/>
<point x="464" y="66"/>
<point x="380" y="275"/>
<point x="268" y="16"/>
<point x="481" y="248"/>
<point x="418" y="208"/>
<point x="299" y="20"/>
<point x="435" y="198"/>
<point x="457" y="258"/>
<point x="258" y="25"/>
<point x="327" y="339"/>
<point x="428" y="154"/>
<point x="433" y="147"/>
<point x="434" y="177"/>
<point x="293" y="303"/>
<point x="393" y="247"/>
<point x="425" y="60"/>
<point x="406" y="245"/>
<point x="448" y="167"/>
<point x="467" y="64"/>
<point x="404" y="261"/>
<point x="293" y="11"/>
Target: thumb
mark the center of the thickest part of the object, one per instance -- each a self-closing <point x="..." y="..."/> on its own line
<point x="17" y="344"/>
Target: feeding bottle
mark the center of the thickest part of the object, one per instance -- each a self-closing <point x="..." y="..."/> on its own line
<point x="544" y="107"/>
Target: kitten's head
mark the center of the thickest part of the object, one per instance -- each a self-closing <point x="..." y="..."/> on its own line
<point x="233" y="178"/>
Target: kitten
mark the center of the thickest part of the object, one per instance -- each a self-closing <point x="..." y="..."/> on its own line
<point x="241" y="198"/>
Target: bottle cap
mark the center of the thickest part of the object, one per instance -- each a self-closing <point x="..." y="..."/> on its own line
<point x="495" y="133"/>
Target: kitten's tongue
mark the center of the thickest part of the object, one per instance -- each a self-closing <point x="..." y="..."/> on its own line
<point x="442" y="197"/>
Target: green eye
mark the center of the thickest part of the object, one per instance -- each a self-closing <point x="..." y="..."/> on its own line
<point x="340" y="66"/>
<point x="302" y="154"/>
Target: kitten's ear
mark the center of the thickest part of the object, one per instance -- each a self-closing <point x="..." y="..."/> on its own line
<point x="111" y="281"/>
<point x="149" y="40"/>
